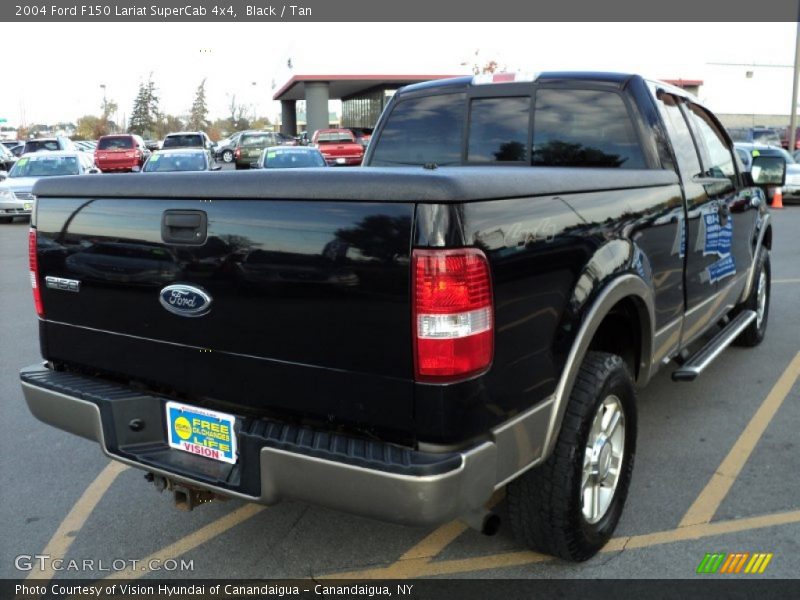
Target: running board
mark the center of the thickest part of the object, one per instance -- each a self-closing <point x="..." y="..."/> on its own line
<point x="706" y="355"/>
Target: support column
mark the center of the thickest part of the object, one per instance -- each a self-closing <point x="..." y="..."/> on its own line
<point x="317" y="96"/>
<point x="289" y="117"/>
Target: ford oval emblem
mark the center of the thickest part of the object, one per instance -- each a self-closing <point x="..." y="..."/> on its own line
<point x="185" y="300"/>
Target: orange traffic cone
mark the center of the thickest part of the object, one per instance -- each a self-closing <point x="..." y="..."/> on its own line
<point x="777" y="198"/>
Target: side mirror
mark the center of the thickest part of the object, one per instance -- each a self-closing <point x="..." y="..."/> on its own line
<point x="768" y="170"/>
<point x="135" y="169"/>
<point x="3" y="175"/>
<point x="93" y="171"/>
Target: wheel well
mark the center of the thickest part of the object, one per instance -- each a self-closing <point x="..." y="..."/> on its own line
<point x="620" y="333"/>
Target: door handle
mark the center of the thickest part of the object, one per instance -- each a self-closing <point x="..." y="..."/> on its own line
<point x="184" y="227"/>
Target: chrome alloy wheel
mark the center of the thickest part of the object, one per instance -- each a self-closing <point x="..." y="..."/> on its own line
<point x="602" y="459"/>
<point x="761" y="298"/>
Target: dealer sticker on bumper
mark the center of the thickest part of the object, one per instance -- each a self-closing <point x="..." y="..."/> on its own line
<point x="201" y="431"/>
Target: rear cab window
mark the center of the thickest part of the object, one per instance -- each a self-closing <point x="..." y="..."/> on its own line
<point x="426" y="129"/>
<point x="561" y="127"/>
<point x="115" y="143"/>
<point x="584" y="128"/>
<point x="183" y="141"/>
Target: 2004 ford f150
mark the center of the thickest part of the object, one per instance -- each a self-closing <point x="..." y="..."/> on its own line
<point x="472" y="309"/>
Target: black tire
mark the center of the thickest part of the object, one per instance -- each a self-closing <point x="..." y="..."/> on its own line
<point x="757" y="330"/>
<point x="6" y="219"/>
<point x="227" y="156"/>
<point x="241" y="167"/>
<point x="545" y="504"/>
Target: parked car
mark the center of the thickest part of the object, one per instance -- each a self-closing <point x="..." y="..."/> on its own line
<point x="120" y="152"/>
<point x="10" y="143"/>
<point x="288" y="157"/>
<point x="179" y="159"/>
<point x="785" y="138"/>
<point x="190" y="139"/>
<point x="756" y="135"/>
<point x="86" y="145"/>
<point x="303" y="138"/>
<point x="338" y="146"/>
<point x="53" y="143"/>
<point x="16" y="189"/>
<point x="251" y="144"/>
<point x="791" y="187"/>
<point x="473" y="310"/>
<point x="187" y="139"/>
<point x="152" y="145"/>
<point x="7" y="159"/>
<point x="363" y="135"/>
<point x="224" y="149"/>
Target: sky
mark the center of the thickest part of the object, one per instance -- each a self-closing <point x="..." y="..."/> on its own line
<point x="249" y="60"/>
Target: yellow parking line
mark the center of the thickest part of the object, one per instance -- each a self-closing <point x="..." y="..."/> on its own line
<point x="418" y="568"/>
<point x="436" y="541"/>
<point x="191" y="541"/>
<point x="433" y="543"/>
<point x="62" y="539"/>
<point x="705" y="506"/>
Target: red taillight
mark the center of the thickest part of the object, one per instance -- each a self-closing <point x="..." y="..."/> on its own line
<point x="453" y="314"/>
<point x="237" y="153"/>
<point x="34" y="269"/>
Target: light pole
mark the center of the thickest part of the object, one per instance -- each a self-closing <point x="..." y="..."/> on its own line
<point x="255" y="102"/>
<point x="793" y="114"/>
<point x="105" y="102"/>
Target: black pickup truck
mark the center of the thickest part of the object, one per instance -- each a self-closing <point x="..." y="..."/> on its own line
<point x="472" y="309"/>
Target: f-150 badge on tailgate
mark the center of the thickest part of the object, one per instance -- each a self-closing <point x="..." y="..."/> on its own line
<point x="185" y="300"/>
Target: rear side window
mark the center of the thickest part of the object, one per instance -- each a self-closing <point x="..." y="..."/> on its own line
<point x="498" y="129"/>
<point x="717" y="158"/>
<point x="423" y="130"/>
<point x="115" y="143"/>
<point x="679" y="133"/>
<point x="584" y="128"/>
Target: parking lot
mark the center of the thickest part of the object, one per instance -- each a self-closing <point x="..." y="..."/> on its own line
<point x="716" y="472"/>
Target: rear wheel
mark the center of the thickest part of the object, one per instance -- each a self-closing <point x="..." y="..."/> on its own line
<point x="758" y="301"/>
<point x="227" y="156"/>
<point x="571" y="504"/>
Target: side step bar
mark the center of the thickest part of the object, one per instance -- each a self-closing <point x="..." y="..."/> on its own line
<point x="706" y="355"/>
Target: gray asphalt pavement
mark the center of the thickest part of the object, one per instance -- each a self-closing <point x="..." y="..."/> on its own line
<point x="685" y="432"/>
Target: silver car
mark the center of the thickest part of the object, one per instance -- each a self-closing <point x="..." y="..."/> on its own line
<point x="16" y="187"/>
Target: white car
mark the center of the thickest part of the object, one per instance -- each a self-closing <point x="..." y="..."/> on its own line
<point x="16" y="188"/>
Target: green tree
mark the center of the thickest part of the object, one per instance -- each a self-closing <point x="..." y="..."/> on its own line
<point x="90" y="127"/>
<point x="145" y="118"/>
<point x="168" y="124"/>
<point x="198" y="115"/>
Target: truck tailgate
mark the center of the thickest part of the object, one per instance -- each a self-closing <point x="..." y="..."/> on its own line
<point x="307" y="298"/>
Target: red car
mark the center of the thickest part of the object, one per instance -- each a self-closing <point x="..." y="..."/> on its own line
<point x="120" y="152"/>
<point x="338" y="146"/>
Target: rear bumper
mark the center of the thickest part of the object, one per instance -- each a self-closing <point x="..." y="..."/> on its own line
<point x="276" y="461"/>
<point x="109" y="166"/>
<point x="343" y="160"/>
